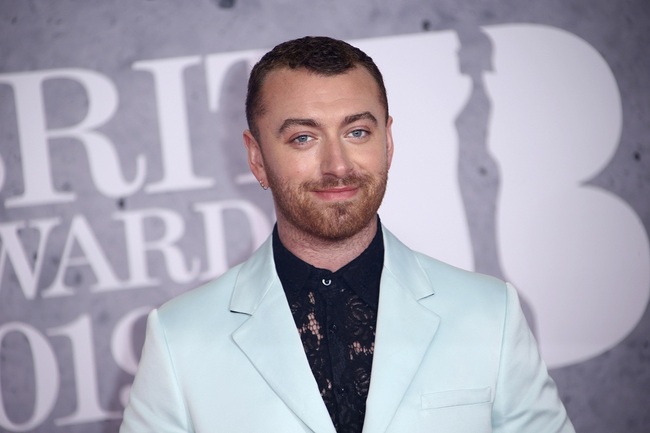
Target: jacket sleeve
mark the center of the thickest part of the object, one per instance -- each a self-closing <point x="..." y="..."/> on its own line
<point x="156" y="403"/>
<point x="526" y="398"/>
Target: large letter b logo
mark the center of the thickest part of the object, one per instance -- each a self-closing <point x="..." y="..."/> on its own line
<point x="578" y="254"/>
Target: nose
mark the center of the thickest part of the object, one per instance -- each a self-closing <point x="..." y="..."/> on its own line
<point x="335" y="159"/>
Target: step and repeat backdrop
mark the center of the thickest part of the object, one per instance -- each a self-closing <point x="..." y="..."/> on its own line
<point x="522" y="150"/>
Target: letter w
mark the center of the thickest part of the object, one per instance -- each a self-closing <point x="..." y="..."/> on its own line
<point x="12" y="248"/>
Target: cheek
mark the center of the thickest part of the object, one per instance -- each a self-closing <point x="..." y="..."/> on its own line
<point x="301" y="166"/>
<point x="290" y="170"/>
<point x="373" y="162"/>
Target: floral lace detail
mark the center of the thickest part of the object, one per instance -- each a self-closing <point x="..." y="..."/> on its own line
<point x="336" y="316"/>
<point x="337" y="329"/>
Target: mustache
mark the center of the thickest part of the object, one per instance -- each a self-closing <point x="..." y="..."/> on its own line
<point x="356" y="180"/>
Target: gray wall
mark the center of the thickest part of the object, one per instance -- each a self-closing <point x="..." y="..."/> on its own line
<point x="85" y="329"/>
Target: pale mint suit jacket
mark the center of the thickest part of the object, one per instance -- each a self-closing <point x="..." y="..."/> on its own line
<point x="453" y="353"/>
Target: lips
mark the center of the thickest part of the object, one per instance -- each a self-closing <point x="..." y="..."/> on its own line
<point x="337" y="189"/>
<point x="337" y="193"/>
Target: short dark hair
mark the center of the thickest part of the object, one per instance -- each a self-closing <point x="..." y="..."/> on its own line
<point x="318" y="54"/>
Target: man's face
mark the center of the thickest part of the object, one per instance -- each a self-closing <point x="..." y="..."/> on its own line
<point x="325" y="149"/>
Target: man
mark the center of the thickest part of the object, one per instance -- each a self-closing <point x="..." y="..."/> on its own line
<point x="333" y="325"/>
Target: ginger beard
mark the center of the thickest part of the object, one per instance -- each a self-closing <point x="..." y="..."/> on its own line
<point x="329" y="221"/>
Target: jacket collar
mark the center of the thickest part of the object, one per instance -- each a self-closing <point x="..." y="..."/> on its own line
<point x="271" y="342"/>
<point x="405" y="329"/>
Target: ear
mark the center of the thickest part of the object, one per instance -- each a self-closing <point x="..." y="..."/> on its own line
<point x="255" y="158"/>
<point x="389" y="141"/>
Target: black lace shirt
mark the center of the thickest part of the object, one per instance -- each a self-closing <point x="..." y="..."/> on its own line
<point x="336" y="315"/>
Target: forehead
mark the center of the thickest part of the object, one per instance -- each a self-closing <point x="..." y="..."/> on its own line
<point x="299" y="92"/>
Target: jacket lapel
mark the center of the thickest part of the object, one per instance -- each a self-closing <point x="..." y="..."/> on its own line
<point x="271" y="342"/>
<point x="405" y="329"/>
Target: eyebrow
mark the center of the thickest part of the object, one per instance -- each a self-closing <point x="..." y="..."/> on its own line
<point x="366" y="115"/>
<point x="297" y="122"/>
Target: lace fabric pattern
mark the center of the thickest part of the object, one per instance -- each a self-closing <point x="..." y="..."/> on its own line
<point x="336" y="316"/>
<point x="337" y="328"/>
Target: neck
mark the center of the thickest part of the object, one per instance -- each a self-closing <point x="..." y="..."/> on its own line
<point x="323" y="253"/>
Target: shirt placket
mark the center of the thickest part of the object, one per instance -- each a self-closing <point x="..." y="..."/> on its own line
<point x="331" y="291"/>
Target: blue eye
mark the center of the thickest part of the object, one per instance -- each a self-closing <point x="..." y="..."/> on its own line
<point x="359" y="133"/>
<point x="302" y="139"/>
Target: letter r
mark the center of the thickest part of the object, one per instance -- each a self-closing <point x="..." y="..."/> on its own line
<point x="34" y="135"/>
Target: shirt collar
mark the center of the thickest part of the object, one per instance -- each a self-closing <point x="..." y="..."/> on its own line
<point x="362" y="275"/>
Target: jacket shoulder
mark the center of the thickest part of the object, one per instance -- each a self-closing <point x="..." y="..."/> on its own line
<point x="444" y="275"/>
<point x="417" y="269"/>
<point x="211" y="299"/>
<point x="217" y="297"/>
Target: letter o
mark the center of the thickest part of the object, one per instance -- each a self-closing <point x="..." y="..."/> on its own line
<point x="46" y="377"/>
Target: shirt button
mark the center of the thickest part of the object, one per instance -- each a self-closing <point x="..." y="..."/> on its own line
<point x="326" y="282"/>
<point x="333" y="329"/>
